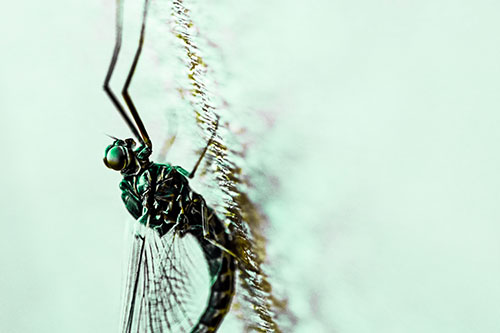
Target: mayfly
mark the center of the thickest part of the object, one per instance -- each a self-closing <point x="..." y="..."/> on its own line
<point x="170" y="213"/>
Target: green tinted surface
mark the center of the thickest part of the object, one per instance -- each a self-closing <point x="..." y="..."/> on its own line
<point x="376" y="122"/>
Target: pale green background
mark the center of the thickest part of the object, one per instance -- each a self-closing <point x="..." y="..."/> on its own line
<point x="385" y="145"/>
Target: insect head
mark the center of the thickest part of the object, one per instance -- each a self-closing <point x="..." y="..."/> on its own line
<point x="119" y="156"/>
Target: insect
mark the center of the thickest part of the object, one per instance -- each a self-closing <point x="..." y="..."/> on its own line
<point x="173" y="220"/>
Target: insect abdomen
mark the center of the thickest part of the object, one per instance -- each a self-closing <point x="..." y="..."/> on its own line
<point x="222" y="270"/>
<point x="222" y="292"/>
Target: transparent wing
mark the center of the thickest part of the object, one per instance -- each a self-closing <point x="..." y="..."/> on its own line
<point x="168" y="283"/>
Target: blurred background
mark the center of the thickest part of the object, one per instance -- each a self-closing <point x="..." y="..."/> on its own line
<point x="377" y="122"/>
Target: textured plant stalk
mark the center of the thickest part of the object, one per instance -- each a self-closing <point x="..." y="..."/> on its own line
<point x="245" y="221"/>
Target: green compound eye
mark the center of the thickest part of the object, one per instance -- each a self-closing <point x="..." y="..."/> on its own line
<point x="116" y="158"/>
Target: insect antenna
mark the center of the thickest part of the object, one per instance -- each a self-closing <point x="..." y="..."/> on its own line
<point x="112" y="137"/>
<point x="111" y="68"/>
<point x="125" y="93"/>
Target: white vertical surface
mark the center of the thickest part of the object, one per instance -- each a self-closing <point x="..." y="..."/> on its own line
<point x="378" y="120"/>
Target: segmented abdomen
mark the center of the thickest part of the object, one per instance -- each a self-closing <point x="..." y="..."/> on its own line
<point x="222" y="270"/>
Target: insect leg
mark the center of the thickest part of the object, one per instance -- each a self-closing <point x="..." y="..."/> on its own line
<point x="204" y="220"/>
<point x="191" y="175"/>
<point x="206" y="233"/>
<point x="125" y="93"/>
<point x="220" y="246"/>
<point x="111" y="68"/>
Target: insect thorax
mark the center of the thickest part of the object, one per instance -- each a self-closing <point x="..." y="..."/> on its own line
<point x="160" y="197"/>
